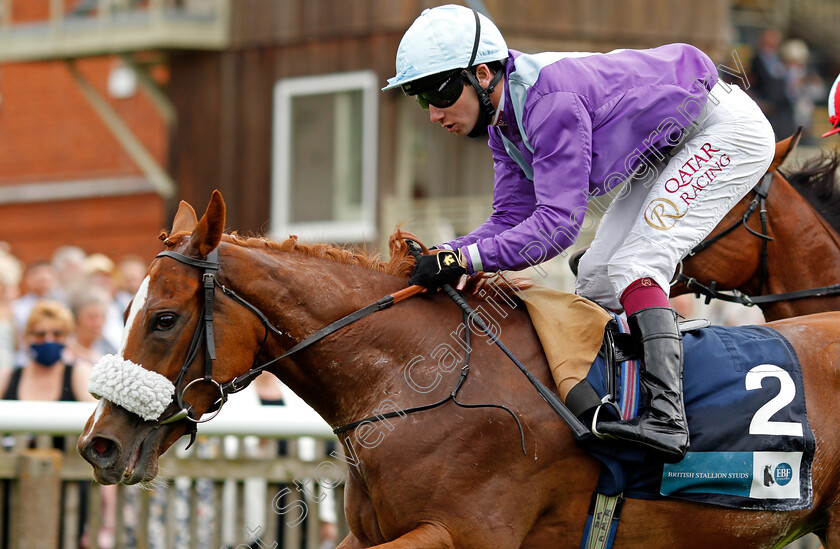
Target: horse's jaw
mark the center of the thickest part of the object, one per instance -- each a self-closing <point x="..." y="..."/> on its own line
<point x="117" y="457"/>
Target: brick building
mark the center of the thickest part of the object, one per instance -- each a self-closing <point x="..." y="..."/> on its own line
<point x="97" y="155"/>
<point x="64" y="176"/>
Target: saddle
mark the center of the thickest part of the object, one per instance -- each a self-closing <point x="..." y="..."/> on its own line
<point x="740" y="424"/>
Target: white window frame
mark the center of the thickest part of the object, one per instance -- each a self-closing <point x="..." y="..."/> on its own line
<point x="285" y="90"/>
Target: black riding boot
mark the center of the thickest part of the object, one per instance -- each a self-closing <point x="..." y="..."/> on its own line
<point x="662" y="426"/>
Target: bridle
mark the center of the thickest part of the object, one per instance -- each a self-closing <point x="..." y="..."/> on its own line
<point x="762" y="190"/>
<point x="204" y="334"/>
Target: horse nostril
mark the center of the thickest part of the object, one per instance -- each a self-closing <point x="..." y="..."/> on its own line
<point x="102" y="451"/>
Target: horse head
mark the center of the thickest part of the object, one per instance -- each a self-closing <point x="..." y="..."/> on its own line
<point x="166" y="375"/>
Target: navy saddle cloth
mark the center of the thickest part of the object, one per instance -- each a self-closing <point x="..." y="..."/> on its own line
<point x="751" y="444"/>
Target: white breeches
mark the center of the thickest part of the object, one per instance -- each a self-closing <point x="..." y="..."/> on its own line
<point x="662" y="212"/>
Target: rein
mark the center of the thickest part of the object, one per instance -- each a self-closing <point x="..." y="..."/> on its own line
<point x="204" y="332"/>
<point x="453" y="396"/>
<point x="734" y="296"/>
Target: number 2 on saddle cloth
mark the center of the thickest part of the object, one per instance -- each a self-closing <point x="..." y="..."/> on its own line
<point x="751" y="443"/>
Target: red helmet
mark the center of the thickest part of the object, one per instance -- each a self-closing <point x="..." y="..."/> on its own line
<point x="834" y="108"/>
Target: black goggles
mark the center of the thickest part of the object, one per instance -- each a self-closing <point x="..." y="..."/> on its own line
<point x="442" y="94"/>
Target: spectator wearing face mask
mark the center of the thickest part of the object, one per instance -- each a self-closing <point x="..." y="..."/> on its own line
<point x="45" y="375"/>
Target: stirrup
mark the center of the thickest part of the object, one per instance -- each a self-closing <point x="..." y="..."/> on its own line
<point x="607" y="400"/>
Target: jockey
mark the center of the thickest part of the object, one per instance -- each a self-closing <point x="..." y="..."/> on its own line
<point x="565" y="127"/>
<point x="834" y="108"/>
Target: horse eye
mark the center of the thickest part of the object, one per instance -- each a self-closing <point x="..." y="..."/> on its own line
<point x="165" y="321"/>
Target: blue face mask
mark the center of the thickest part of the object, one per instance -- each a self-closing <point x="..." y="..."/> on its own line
<point x="47" y="353"/>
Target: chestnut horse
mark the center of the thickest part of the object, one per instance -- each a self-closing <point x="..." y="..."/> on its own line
<point x="802" y="218"/>
<point x="444" y="477"/>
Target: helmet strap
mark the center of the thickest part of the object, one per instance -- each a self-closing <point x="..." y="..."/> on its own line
<point x="486" y="109"/>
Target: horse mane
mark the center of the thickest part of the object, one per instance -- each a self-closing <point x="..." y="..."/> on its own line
<point x="400" y="264"/>
<point x="816" y="181"/>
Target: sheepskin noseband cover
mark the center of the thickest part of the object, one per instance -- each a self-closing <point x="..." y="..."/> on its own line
<point x="130" y="386"/>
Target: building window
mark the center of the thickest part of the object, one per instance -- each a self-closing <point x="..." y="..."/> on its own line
<point x="324" y="157"/>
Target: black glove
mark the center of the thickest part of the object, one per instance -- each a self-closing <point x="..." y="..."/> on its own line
<point x="435" y="270"/>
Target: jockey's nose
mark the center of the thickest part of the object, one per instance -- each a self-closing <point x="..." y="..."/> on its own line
<point x="435" y="114"/>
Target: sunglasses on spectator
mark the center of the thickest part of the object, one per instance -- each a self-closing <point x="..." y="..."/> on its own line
<point x="443" y="94"/>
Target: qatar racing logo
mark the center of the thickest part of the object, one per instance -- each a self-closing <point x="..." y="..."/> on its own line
<point x="662" y="214"/>
<point x="693" y="177"/>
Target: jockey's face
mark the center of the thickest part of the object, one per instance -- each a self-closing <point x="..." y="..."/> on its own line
<point x="460" y="118"/>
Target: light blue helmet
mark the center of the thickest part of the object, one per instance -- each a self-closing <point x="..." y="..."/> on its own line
<point x="443" y="39"/>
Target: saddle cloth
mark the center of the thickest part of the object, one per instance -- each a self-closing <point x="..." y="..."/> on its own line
<point x="751" y="444"/>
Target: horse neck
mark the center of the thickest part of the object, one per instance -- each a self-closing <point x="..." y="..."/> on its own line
<point x="300" y="295"/>
<point x="801" y="238"/>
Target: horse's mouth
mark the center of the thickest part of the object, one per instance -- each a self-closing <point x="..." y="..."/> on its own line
<point x="111" y="466"/>
<point x="115" y="460"/>
<point x="143" y="463"/>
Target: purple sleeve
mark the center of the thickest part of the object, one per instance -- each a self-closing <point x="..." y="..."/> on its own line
<point x="560" y="130"/>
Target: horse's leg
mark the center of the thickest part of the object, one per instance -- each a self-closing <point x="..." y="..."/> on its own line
<point x="425" y="536"/>
<point x="350" y="542"/>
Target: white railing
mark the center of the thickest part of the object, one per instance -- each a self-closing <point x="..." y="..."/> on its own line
<point x="255" y="471"/>
<point x="68" y="418"/>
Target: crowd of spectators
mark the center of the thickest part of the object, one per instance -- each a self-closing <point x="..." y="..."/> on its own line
<point x="785" y="84"/>
<point x="57" y="318"/>
<point x="90" y="287"/>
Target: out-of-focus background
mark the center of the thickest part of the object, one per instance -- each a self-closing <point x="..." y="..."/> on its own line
<point x="112" y="111"/>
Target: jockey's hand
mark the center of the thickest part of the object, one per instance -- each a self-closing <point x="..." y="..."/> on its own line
<point x="436" y="269"/>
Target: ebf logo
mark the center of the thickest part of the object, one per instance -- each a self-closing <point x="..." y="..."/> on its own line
<point x="783" y="474"/>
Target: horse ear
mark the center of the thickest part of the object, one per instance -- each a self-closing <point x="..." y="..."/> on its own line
<point x="783" y="150"/>
<point x="185" y="219"/>
<point x="208" y="232"/>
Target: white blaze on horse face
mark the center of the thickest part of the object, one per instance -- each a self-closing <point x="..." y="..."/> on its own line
<point x="125" y="383"/>
<point x="137" y="305"/>
<point x="93" y="428"/>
